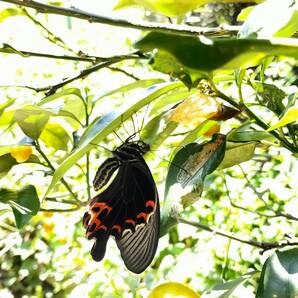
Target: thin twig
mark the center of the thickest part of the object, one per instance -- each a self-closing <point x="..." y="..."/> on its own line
<point x="262" y="245"/>
<point x="53" y="88"/>
<point x="93" y="18"/>
<point x="7" y="49"/>
<point x="59" y="210"/>
<point x="124" y="72"/>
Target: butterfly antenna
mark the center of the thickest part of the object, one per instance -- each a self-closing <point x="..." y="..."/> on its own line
<point x="133" y="124"/>
<point x="101" y="146"/>
<point x="118" y="136"/>
<point x="143" y="120"/>
<point x="122" y="122"/>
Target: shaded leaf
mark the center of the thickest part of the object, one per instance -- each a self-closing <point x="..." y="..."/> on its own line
<point x="291" y="115"/>
<point x="201" y="54"/>
<point x="270" y="96"/>
<point x="249" y="135"/>
<point x="32" y="120"/>
<point x="279" y="277"/>
<point x="7" y="162"/>
<point x="27" y="205"/>
<point x="195" y="161"/>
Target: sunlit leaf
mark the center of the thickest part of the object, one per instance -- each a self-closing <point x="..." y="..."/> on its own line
<point x="171" y="8"/>
<point x="195" y="109"/>
<point x="208" y="55"/>
<point x="249" y="135"/>
<point x="279" y="277"/>
<point x="236" y="153"/>
<point x="9" y="12"/>
<point x="101" y="127"/>
<point x="291" y="115"/>
<point x="226" y="289"/>
<point x="54" y="135"/>
<point x="21" y="153"/>
<point x="280" y="22"/>
<point x="195" y="161"/>
<point x="32" y="120"/>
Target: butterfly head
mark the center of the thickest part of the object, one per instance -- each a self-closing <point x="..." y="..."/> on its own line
<point x="132" y="149"/>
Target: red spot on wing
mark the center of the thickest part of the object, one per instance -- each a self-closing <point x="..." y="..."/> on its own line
<point x="131" y="221"/>
<point x="92" y="218"/>
<point x="117" y="227"/>
<point x="150" y="204"/>
<point x="142" y="214"/>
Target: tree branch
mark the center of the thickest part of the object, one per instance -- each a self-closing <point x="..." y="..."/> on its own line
<point x="7" y="49"/>
<point x="262" y="245"/>
<point x="93" y="18"/>
<point x="53" y="88"/>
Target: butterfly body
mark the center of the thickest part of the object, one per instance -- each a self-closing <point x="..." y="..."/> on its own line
<point x="127" y="209"/>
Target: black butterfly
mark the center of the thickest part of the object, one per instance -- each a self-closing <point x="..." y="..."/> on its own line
<point x="127" y="209"/>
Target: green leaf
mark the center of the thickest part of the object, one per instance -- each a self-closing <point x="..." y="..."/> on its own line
<point x="149" y="132"/>
<point x="291" y="115"/>
<point x="201" y="54"/>
<point x="170" y="99"/>
<point x="195" y="161"/>
<point x="9" y="12"/>
<point x="7" y="162"/>
<point x="25" y="205"/>
<point x="270" y="96"/>
<point x="54" y="135"/>
<point x="237" y="153"/>
<point x="101" y="127"/>
<point x="280" y="22"/>
<point x="6" y="105"/>
<point x="226" y="289"/>
<point x="279" y="277"/>
<point x="132" y="86"/>
<point x="7" y="117"/>
<point x="248" y="135"/>
<point x="32" y="120"/>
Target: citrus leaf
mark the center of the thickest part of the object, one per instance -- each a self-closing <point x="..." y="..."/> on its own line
<point x="226" y="289"/>
<point x="291" y="115"/>
<point x="32" y="120"/>
<point x="195" y="161"/>
<point x="201" y="54"/>
<point x="237" y="153"/>
<point x="54" y="135"/>
<point x="279" y="277"/>
<point x="27" y="205"/>
<point x="249" y="135"/>
<point x="101" y="127"/>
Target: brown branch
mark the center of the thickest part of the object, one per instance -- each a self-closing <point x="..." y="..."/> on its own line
<point x="93" y="18"/>
<point x="53" y="88"/>
<point x="124" y="72"/>
<point x="262" y="245"/>
<point x="7" y="49"/>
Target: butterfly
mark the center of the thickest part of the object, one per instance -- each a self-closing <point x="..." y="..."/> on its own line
<point x="127" y="209"/>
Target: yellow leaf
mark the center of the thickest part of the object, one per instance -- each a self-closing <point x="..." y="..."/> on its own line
<point x="291" y="115"/>
<point x="21" y="153"/>
<point x="195" y="109"/>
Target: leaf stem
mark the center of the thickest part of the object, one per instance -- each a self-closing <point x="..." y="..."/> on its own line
<point x="38" y="148"/>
